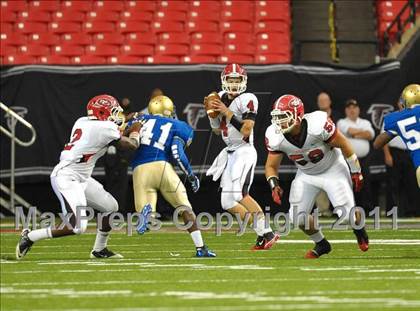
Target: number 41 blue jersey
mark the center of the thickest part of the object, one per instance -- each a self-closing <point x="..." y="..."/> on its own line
<point x="406" y="124"/>
<point x="157" y="136"/>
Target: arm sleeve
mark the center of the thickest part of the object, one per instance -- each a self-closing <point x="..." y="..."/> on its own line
<point x="329" y="130"/>
<point x="269" y="143"/>
<point x="389" y="127"/>
<point x="180" y="156"/>
<point x="249" y="107"/>
<point x="109" y="132"/>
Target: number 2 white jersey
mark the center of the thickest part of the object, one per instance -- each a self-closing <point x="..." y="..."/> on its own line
<point x="312" y="154"/>
<point x="88" y="142"/>
<point x="243" y="106"/>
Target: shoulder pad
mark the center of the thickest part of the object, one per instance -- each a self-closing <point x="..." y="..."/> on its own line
<point x="316" y="121"/>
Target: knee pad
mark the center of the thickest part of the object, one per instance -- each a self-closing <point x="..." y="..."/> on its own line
<point x="228" y="200"/>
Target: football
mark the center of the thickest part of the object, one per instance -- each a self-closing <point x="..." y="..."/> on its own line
<point x="210" y="112"/>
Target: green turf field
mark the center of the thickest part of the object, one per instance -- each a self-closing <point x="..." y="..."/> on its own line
<point x="159" y="272"/>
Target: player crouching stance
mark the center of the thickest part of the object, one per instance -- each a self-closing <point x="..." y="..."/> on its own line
<point x="71" y="178"/>
<point x="163" y="140"/>
<point x="232" y="114"/>
<point x="312" y="141"/>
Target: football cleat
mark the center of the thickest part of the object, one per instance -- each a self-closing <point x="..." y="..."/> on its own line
<point x="321" y="248"/>
<point x="259" y="244"/>
<point x="204" y="252"/>
<point x="24" y="244"/>
<point x="105" y="253"/>
<point x="362" y="239"/>
<point x="265" y="242"/>
<point x="145" y="213"/>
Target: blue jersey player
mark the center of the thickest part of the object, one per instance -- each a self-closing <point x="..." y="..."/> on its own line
<point x="162" y="142"/>
<point x="406" y="124"/>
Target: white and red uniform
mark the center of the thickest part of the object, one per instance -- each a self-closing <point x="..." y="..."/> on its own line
<point x="71" y="178"/>
<point x="320" y="167"/>
<point x="239" y="158"/>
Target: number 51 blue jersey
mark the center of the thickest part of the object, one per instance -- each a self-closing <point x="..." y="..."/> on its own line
<point x="406" y="124"/>
<point x="157" y="138"/>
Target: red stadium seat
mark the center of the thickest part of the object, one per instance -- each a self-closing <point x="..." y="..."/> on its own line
<point x="108" y="38"/>
<point x="14" y="6"/>
<point x="206" y="49"/>
<point x="182" y="6"/>
<point x="102" y="50"/>
<point x="77" y="38"/>
<point x="19" y="59"/>
<point x="88" y="60"/>
<point x="67" y="50"/>
<point x="68" y="16"/>
<point x="125" y="27"/>
<point x="54" y="60"/>
<point x="45" y="5"/>
<point x="141" y="38"/>
<point x="249" y="5"/>
<point x="272" y="58"/>
<point x="44" y="38"/>
<point x="174" y="16"/>
<point x="206" y="37"/>
<point x="12" y="38"/>
<point x="236" y="58"/>
<point x="30" y="27"/>
<point x="6" y="27"/>
<point x="198" y="59"/>
<point x="161" y="59"/>
<point x="206" y="6"/>
<point x="33" y="49"/>
<point x="174" y="37"/>
<point x="238" y="37"/>
<point x="125" y="59"/>
<point x="235" y="27"/>
<point x="98" y="27"/>
<point x="34" y="16"/>
<point x="77" y="5"/>
<point x="273" y="48"/>
<point x="240" y="48"/>
<point x="197" y="16"/>
<point x="7" y="50"/>
<point x="272" y="15"/>
<point x="108" y="5"/>
<point x="64" y="27"/>
<point x="102" y="16"/>
<point x="145" y="6"/>
<point x="7" y="16"/>
<point x="137" y="50"/>
<point x="159" y="27"/>
<point x="136" y="16"/>
<point x="237" y="14"/>
<point x="272" y="26"/>
<point x="272" y="5"/>
<point x="172" y="49"/>
<point x="279" y="38"/>
<point x="202" y="26"/>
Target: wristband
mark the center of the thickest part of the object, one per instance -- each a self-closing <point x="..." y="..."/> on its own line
<point x="236" y="123"/>
<point x="135" y="136"/>
<point x="273" y="181"/>
<point x="353" y="163"/>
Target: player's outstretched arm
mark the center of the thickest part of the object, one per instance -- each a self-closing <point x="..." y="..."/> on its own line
<point x="271" y="173"/>
<point x="381" y="140"/>
<point x="132" y="142"/>
<point x="180" y="157"/>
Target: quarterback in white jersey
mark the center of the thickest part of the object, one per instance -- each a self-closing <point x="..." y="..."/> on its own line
<point x="71" y="178"/>
<point x="232" y="115"/>
<point x="314" y="144"/>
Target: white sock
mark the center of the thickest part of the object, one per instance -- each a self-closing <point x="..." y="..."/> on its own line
<point x="197" y="238"/>
<point x="40" y="234"/>
<point x="317" y="237"/>
<point x="101" y="240"/>
<point x="260" y="227"/>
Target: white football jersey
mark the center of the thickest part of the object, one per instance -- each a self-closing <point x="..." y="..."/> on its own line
<point x="311" y="154"/>
<point x="244" y="105"/>
<point x="88" y="142"/>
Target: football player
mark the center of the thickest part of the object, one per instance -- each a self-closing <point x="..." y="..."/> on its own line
<point x="72" y="179"/>
<point x="325" y="161"/>
<point x="236" y="163"/>
<point x="163" y="140"/>
<point x="406" y="124"/>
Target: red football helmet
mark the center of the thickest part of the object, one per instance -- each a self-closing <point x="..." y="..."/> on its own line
<point x="105" y="108"/>
<point x="287" y="111"/>
<point x="234" y="79"/>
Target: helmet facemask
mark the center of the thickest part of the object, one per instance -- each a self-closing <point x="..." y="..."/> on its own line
<point x="117" y="116"/>
<point x="284" y="121"/>
<point x="234" y="83"/>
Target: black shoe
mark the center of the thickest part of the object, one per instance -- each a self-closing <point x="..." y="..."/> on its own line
<point x="259" y="244"/>
<point x="321" y="248"/>
<point x="362" y="239"/>
<point x="105" y="253"/>
<point x="24" y="244"/>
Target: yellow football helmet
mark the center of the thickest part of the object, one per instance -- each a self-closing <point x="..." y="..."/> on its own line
<point x="410" y="96"/>
<point x="161" y="105"/>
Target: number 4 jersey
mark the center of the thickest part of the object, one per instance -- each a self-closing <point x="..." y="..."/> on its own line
<point x="88" y="142"/>
<point x="406" y="124"/>
<point x="157" y="136"/>
<point x="310" y="151"/>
